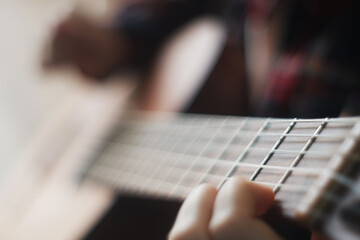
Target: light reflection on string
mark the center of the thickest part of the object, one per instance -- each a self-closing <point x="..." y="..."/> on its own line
<point x="136" y="156"/>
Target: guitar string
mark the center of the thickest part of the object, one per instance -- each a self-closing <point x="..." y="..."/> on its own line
<point x="313" y="137"/>
<point x="147" y="154"/>
<point x="181" y="118"/>
<point x="289" y="140"/>
<point x="117" y="178"/>
<point x="337" y="136"/>
<point x="245" y="132"/>
<point x="133" y="161"/>
<point x="256" y="165"/>
<point x="169" y="152"/>
<point x="271" y="183"/>
<point x="285" y="168"/>
<point x="240" y="158"/>
<point x="271" y="153"/>
<point x="285" y="186"/>
<point x="248" y="128"/>
<point x="231" y="139"/>
<point x="222" y="160"/>
<point x="219" y="160"/>
<point x="184" y="122"/>
<point x="293" y="188"/>
<point x="296" y="171"/>
<point x="238" y="147"/>
<point x="299" y="157"/>
<point x="180" y="160"/>
<point x="204" y="148"/>
<point x="205" y="161"/>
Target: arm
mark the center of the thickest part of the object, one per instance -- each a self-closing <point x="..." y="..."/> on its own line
<point x="131" y="40"/>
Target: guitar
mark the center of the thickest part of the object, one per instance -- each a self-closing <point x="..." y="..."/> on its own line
<point x="312" y="166"/>
<point x="73" y="170"/>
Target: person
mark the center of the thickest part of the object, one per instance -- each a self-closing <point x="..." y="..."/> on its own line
<point x="225" y="214"/>
<point x="292" y="58"/>
<point x="230" y="213"/>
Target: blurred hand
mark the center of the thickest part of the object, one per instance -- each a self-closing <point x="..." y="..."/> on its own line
<point x="94" y="49"/>
<point x="229" y="213"/>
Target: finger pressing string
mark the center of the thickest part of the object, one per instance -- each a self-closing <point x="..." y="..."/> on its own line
<point x="236" y="206"/>
<point x="195" y="214"/>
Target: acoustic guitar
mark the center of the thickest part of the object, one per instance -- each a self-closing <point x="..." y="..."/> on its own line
<point x="312" y="165"/>
<point x="85" y="156"/>
<point x="68" y="183"/>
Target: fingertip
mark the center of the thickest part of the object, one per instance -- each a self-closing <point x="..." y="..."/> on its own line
<point x="207" y="187"/>
<point x="195" y="214"/>
<point x="263" y="197"/>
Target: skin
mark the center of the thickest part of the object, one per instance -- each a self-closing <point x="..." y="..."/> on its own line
<point x="94" y="49"/>
<point x="230" y="213"/>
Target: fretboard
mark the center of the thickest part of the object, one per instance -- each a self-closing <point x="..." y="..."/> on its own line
<point x="169" y="156"/>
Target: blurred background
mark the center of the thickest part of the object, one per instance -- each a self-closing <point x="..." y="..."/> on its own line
<point x="32" y="92"/>
<point x="28" y="94"/>
<point x="261" y="58"/>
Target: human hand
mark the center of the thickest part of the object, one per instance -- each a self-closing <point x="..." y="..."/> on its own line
<point x="94" y="49"/>
<point x="229" y="213"/>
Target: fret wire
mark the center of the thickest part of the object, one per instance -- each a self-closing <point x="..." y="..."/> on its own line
<point x="242" y="164"/>
<point x="205" y="147"/>
<point x="163" y="169"/>
<point x="347" y="120"/>
<point x="299" y="170"/>
<point x="275" y="134"/>
<point x="306" y="151"/>
<point x="140" y="168"/>
<point x="271" y="152"/>
<point x="315" y="136"/>
<point x="217" y="158"/>
<point x="144" y="167"/>
<point x="301" y="155"/>
<point x="324" y="136"/>
<point x="165" y="152"/>
<point x="164" y="157"/>
<point x="181" y="157"/>
<point x="267" y="149"/>
<point x="274" y="120"/>
<point x="243" y="154"/>
<point x="258" y="149"/>
<point x="109" y="169"/>
<point x="205" y="159"/>
<point x="290" y="187"/>
<point x="130" y="175"/>
<point x="260" y="183"/>
<point x="283" y="185"/>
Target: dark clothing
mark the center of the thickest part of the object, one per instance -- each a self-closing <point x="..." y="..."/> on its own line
<point x="316" y="72"/>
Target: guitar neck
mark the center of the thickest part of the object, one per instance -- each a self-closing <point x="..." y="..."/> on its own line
<point x="170" y="155"/>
